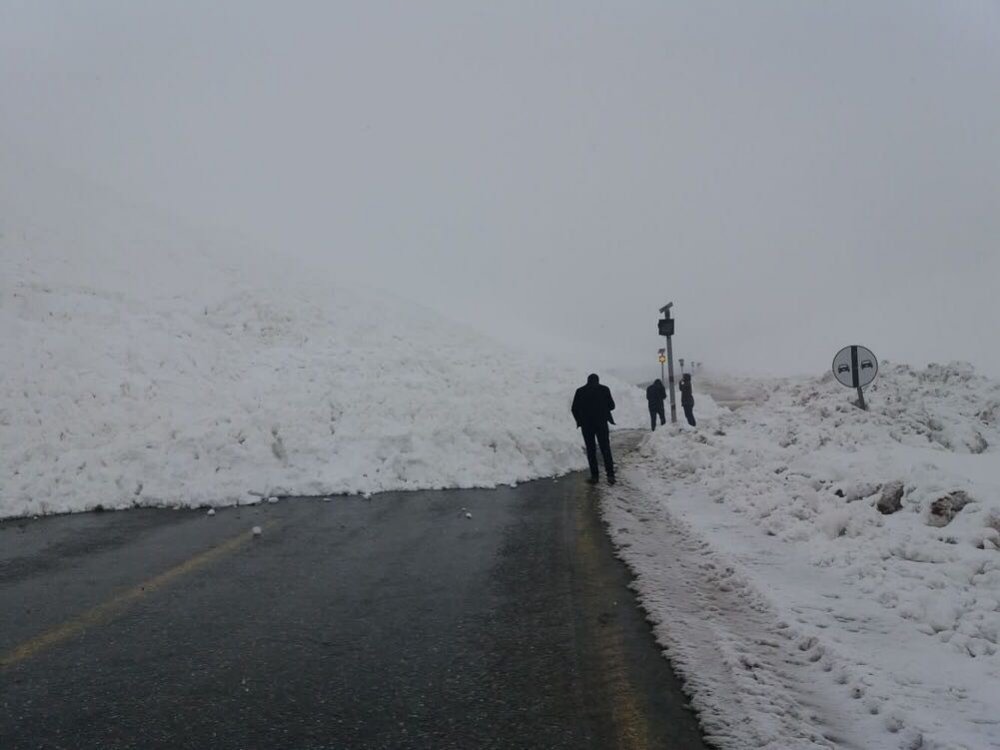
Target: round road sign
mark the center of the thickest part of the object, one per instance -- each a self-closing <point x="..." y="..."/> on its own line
<point x="855" y="366"/>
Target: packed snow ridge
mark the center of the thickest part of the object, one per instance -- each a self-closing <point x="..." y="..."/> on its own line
<point x="149" y="365"/>
<point x="825" y="576"/>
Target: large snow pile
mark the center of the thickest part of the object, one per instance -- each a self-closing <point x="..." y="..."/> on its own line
<point x="145" y="364"/>
<point x="824" y="576"/>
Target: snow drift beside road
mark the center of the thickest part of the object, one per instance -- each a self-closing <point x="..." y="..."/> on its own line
<point x="801" y="614"/>
<point x="145" y="364"/>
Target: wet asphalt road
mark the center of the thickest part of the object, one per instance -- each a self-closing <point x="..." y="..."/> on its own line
<point x="395" y="622"/>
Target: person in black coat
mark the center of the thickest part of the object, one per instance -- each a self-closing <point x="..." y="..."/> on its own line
<point x="687" y="398"/>
<point x="655" y="395"/>
<point x="592" y="407"/>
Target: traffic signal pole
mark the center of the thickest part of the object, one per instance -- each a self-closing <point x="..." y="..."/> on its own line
<point x="670" y="369"/>
<point x="667" y="330"/>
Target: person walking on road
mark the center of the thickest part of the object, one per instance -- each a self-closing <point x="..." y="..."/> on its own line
<point x="655" y="396"/>
<point x="687" y="398"/>
<point x="592" y="407"/>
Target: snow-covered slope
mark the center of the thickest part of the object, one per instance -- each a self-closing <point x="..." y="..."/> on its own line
<point x="148" y="364"/>
<point x="801" y="614"/>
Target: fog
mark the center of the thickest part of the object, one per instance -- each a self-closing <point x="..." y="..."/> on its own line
<point x="794" y="176"/>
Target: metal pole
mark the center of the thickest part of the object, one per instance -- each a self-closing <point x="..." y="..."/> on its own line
<point x="670" y="365"/>
<point x="668" y="331"/>
<point x="855" y="374"/>
<point x="662" y="375"/>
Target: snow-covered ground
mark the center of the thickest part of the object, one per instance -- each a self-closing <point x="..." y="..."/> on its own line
<point x="148" y="364"/>
<point x="800" y="614"/>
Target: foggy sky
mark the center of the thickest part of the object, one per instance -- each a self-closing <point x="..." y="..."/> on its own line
<point x="795" y="176"/>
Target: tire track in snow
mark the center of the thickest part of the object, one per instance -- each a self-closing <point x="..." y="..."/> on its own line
<point x="741" y="664"/>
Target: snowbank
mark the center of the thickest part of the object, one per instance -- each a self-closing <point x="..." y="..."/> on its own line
<point x="801" y="614"/>
<point x="148" y="364"/>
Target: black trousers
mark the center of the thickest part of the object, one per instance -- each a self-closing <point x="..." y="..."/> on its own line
<point x="592" y="437"/>
<point x="654" y="410"/>
<point x="689" y="413"/>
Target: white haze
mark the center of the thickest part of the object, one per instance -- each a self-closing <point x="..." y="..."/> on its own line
<point x="794" y="176"/>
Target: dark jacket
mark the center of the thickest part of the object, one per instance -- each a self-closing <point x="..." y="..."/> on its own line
<point x="687" y="397"/>
<point x="592" y="405"/>
<point x="656" y="393"/>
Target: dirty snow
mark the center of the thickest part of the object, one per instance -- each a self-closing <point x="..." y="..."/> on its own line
<point x="799" y="614"/>
<point x="146" y="363"/>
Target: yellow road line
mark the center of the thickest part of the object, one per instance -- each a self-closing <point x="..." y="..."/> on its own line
<point x="104" y="613"/>
<point x="627" y="715"/>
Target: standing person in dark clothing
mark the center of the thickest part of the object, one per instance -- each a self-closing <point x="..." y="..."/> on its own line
<point x="655" y="395"/>
<point x="592" y="407"/>
<point x="687" y="398"/>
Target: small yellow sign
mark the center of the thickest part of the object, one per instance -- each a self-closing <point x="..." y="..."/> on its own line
<point x="662" y="359"/>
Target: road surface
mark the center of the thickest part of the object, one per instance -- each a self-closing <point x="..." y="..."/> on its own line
<point x="394" y="622"/>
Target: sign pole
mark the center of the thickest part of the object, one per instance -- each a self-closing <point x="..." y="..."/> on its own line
<point x="855" y="374"/>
